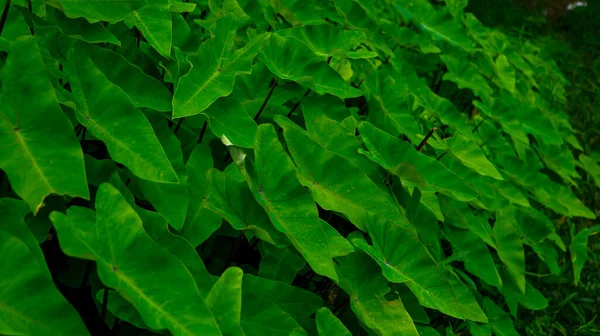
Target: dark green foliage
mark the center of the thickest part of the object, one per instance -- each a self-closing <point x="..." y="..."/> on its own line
<point x="283" y="167"/>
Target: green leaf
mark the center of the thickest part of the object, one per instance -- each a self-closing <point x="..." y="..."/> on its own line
<point x="466" y="75"/>
<point x="46" y="312"/>
<point x="94" y="11"/>
<point x="335" y="183"/>
<point x="142" y="89"/>
<point x="477" y="259"/>
<point x="107" y="112"/>
<point x="292" y="210"/>
<point x="290" y="59"/>
<point x="228" y="117"/>
<point x="578" y="250"/>
<point x="471" y="156"/>
<point x="325" y="40"/>
<point x="329" y="325"/>
<point x="233" y="201"/>
<point x="434" y="287"/>
<point x="39" y="152"/>
<point x="154" y="22"/>
<point x="225" y="301"/>
<point x="393" y="154"/>
<point x="121" y="253"/>
<point x="509" y="246"/>
<point x="279" y="264"/>
<point x="500" y="321"/>
<point x="214" y="68"/>
<point x="506" y="73"/>
<point x="200" y="222"/>
<point x="170" y="200"/>
<point x="121" y="308"/>
<point x="361" y="279"/>
<point x="591" y="167"/>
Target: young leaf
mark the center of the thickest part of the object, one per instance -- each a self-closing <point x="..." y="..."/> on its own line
<point x="225" y="301"/>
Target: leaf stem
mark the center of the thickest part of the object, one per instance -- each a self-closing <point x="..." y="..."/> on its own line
<point x="298" y="103"/>
<point x="202" y="132"/>
<point x="234" y="250"/>
<point x="479" y="124"/>
<point x="264" y="104"/>
<point x="441" y="156"/>
<point x="178" y="126"/>
<point x="424" y="141"/>
<point x="104" y="304"/>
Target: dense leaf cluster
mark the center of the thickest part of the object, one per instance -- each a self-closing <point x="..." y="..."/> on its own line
<point x="278" y="167"/>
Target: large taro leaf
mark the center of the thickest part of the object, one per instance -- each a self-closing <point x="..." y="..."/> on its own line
<point x="290" y="59"/>
<point x="170" y="199"/>
<point x="404" y="259"/>
<point x="225" y="301"/>
<point x="471" y="155"/>
<point x="126" y="260"/>
<point x="228" y="117"/>
<point x="214" y="68"/>
<point x="39" y="151"/>
<point x="337" y="184"/>
<point x="329" y="325"/>
<point x="272" y="179"/>
<point x="23" y="267"/>
<point x="394" y="155"/>
<point x="233" y="201"/>
<point x="94" y="11"/>
<point x="361" y="278"/>
<point x="275" y="308"/>
<point x="200" y="222"/>
<point x="154" y="22"/>
<point x="509" y="245"/>
<point x="106" y="111"/>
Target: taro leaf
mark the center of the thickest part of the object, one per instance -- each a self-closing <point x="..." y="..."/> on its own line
<point x="466" y="75"/>
<point x="292" y="210"/>
<point x="578" y="249"/>
<point x="154" y="22"/>
<point x="329" y="325"/>
<point x="45" y="313"/>
<point x="325" y="40"/>
<point x="477" y="259"/>
<point x="119" y="253"/>
<point x="200" y="222"/>
<point x="287" y="307"/>
<point x="228" y="117"/>
<point x="214" y="68"/>
<point x="157" y="228"/>
<point x="76" y="28"/>
<point x="532" y="299"/>
<point x="39" y="152"/>
<point x="509" y="246"/>
<point x="106" y="111"/>
<point x="389" y="107"/>
<point x="502" y="324"/>
<point x="290" y="59"/>
<point x="393" y="153"/>
<point x="506" y="73"/>
<point x="94" y="11"/>
<point x="404" y="259"/>
<point x="142" y="90"/>
<point x="225" y="301"/>
<point x="469" y="153"/>
<point x="170" y="200"/>
<point x="361" y="278"/>
<point x="279" y="264"/>
<point x="591" y="167"/>
<point x="337" y="184"/>
<point x="234" y="202"/>
<point x="121" y="308"/>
